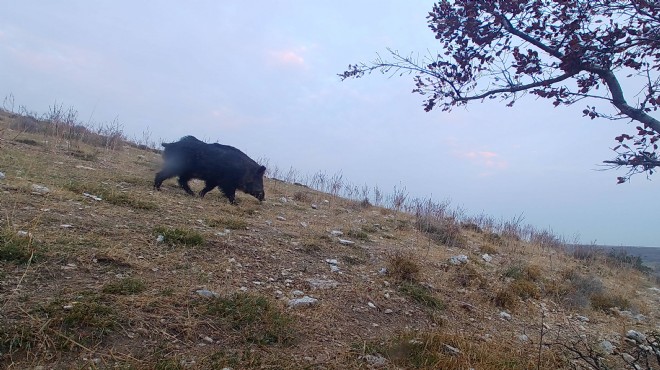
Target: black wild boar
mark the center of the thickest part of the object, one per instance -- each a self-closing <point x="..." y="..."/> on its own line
<point x="218" y="165"/>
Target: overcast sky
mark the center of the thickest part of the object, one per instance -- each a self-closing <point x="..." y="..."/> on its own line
<point x="262" y="76"/>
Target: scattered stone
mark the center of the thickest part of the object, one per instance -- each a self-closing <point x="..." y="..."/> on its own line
<point x="654" y="289"/>
<point x="523" y="338"/>
<point x="345" y="242"/>
<point x="451" y="350"/>
<point x="458" y="260"/>
<point x="314" y="206"/>
<point x="582" y="318"/>
<point x="88" y="195"/>
<point x="388" y="311"/>
<point x="160" y="238"/>
<point x="283" y="200"/>
<point x="322" y="284"/>
<point x="371" y="305"/>
<point x="505" y="315"/>
<point x="69" y="266"/>
<point x="2" y="175"/>
<point x="297" y="293"/>
<point x="243" y="289"/>
<point x="468" y="306"/>
<point x="305" y="301"/>
<point x="281" y="218"/>
<point x="86" y="168"/>
<point x="223" y="233"/>
<point x="382" y="271"/>
<point x="332" y="261"/>
<point x="206" y="339"/>
<point x="39" y="189"/>
<point x="66" y="226"/>
<point x="304" y="224"/>
<point x="23" y="234"/>
<point x="630" y="315"/>
<point x="207" y="293"/>
<point x="636" y="336"/>
<point x="607" y="347"/>
<point x="487" y="257"/>
<point x="336" y="233"/>
<point x="628" y="358"/>
<point x="375" y="360"/>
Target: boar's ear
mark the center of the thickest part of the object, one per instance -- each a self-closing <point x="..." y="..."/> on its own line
<point x="261" y="171"/>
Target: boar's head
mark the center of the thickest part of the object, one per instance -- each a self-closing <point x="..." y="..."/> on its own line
<point x="254" y="184"/>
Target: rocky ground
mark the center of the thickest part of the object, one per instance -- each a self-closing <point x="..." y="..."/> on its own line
<point x="98" y="270"/>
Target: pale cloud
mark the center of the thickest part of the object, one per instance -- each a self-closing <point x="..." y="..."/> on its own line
<point x="490" y="160"/>
<point x="288" y="58"/>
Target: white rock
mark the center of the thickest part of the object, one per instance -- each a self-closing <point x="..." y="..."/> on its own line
<point x="207" y="293"/>
<point x="304" y="224"/>
<point x="322" y="283"/>
<point x="382" y="271"/>
<point x="388" y="311"/>
<point x="305" y="301"/>
<point x="523" y="338"/>
<point x="40" y="189"/>
<point x="2" y="175"/>
<point x="336" y="233"/>
<point x="582" y="318"/>
<point x="629" y="359"/>
<point x="23" y="234"/>
<point x="636" y="336"/>
<point x="458" y="260"/>
<point x="452" y="350"/>
<point x="345" y="242"/>
<point x="332" y="261"/>
<point x="607" y="347"/>
<point x="88" y="195"/>
<point x="334" y="268"/>
<point x="297" y="293"/>
<point x="371" y="305"/>
<point x="284" y="200"/>
<point x="375" y="360"/>
<point x="505" y="315"/>
<point x="160" y="238"/>
<point x="281" y="218"/>
<point x="314" y="206"/>
<point x="487" y="257"/>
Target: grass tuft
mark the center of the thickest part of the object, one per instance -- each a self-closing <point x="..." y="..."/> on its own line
<point x="175" y="236"/>
<point x="16" y="248"/>
<point x="232" y="223"/>
<point x="255" y="317"/>
<point x="421" y="294"/>
<point x="403" y="267"/>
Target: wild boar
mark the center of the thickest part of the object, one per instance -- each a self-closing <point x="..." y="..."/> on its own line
<point x="218" y="165"/>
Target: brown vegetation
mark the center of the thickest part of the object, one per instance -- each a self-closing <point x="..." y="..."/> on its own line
<point x="113" y="283"/>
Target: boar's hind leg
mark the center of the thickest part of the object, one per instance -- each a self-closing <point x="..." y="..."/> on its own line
<point x="209" y="186"/>
<point x="183" y="182"/>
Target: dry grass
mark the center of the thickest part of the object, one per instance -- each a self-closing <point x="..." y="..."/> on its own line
<point x="89" y="285"/>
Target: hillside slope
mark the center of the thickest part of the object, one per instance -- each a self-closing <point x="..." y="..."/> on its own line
<point x="98" y="270"/>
